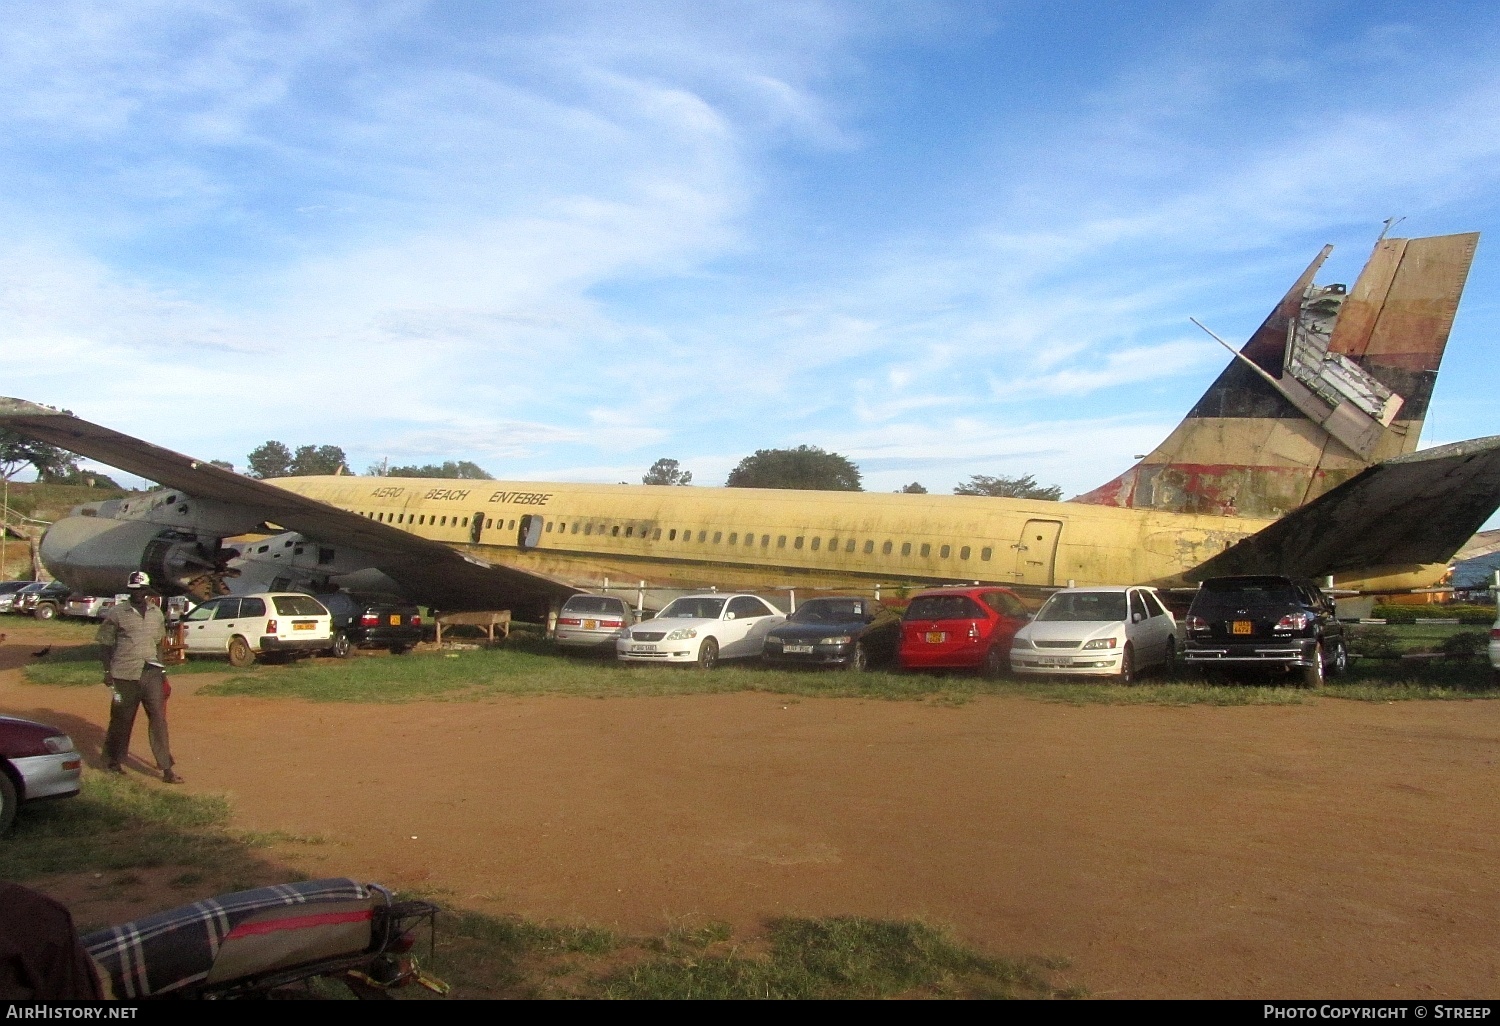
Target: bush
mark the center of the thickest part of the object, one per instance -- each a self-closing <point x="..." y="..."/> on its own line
<point x="1372" y="641"/>
<point x="1464" y="644"/>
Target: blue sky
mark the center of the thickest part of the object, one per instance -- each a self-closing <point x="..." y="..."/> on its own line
<point x="565" y="239"/>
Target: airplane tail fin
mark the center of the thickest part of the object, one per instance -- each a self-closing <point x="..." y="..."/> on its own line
<point x="1333" y="382"/>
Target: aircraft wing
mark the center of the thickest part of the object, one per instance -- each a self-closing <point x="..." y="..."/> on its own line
<point x="1414" y="509"/>
<point x="432" y="573"/>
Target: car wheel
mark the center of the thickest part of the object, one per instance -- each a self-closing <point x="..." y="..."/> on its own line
<point x="1340" y="661"/>
<point x="994" y="663"/>
<point x="8" y="801"/>
<point x="241" y="654"/>
<point x="1312" y="676"/>
<point x="341" y="647"/>
<point x="708" y="654"/>
<point x="1169" y="661"/>
<point x="1127" y="665"/>
<point x="400" y="649"/>
<point x="859" y="662"/>
<point x="44" y="612"/>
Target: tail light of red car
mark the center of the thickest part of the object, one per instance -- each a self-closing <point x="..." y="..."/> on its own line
<point x="973" y="630"/>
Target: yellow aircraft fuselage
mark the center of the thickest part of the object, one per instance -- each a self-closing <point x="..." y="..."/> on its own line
<point x="748" y="538"/>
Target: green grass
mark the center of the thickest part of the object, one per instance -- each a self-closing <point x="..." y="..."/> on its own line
<point x="77" y="664"/>
<point x="117" y="823"/>
<point x="839" y="957"/>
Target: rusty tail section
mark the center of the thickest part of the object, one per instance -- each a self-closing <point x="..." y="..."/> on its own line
<point x="1333" y="382"/>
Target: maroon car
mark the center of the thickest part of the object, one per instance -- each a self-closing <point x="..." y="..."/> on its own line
<point x="961" y="628"/>
<point x="36" y="762"/>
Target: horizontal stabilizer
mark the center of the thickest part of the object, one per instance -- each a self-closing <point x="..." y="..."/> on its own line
<point x="1414" y="509"/>
<point x="432" y="573"/>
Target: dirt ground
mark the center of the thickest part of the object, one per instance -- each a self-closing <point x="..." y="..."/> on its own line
<point x="1336" y="849"/>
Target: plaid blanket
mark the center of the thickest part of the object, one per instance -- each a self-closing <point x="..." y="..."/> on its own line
<point x="177" y="948"/>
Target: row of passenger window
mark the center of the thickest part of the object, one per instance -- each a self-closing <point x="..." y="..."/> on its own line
<point x="747" y="540"/>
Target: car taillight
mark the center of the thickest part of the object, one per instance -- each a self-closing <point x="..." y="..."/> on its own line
<point x="611" y="623"/>
<point x="973" y="630"/>
<point x="1197" y="623"/>
<point x="568" y="621"/>
<point x="270" y="626"/>
<point x="1495" y="634"/>
<point x="368" y="619"/>
<point x="416" y="620"/>
<point x="1294" y="622"/>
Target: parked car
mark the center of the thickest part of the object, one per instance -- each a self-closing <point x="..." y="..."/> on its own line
<point x="1278" y="623"/>
<point x="42" y="600"/>
<point x="88" y="607"/>
<point x="8" y="592"/>
<point x="961" y="628"/>
<point x="1495" y="647"/>
<point x="701" y="629"/>
<point x="592" y="622"/>
<point x="363" y="624"/>
<point x="264" y="625"/>
<point x="847" y="631"/>
<point x="1097" y="632"/>
<point x="37" y="761"/>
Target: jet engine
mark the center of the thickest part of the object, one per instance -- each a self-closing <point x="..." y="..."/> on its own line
<point x="94" y="555"/>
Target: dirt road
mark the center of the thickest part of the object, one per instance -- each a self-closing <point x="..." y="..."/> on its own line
<point x="1337" y="849"/>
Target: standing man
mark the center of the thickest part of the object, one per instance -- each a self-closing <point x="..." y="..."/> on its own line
<point x="132" y="635"/>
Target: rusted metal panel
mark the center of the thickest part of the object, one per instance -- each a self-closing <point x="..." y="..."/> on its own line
<point x="1351" y="335"/>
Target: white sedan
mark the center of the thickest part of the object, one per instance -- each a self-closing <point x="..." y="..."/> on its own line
<point x="701" y="630"/>
<point x="1097" y="632"/>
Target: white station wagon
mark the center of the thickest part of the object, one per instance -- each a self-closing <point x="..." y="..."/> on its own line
<point x="701" y="630"/>
<point x="268" y="624"/>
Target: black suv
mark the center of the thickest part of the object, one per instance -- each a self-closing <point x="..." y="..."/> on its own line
<point x="361" y="624"/>
<point x="1277" y="622"/>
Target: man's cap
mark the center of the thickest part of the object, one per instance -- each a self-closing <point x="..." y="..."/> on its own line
<point x="138" y="580"/>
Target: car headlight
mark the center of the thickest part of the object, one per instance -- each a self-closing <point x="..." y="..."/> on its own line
<point x="1020" y="642"/>
<point x="1100" y="643"/>
<point x="682" y="634"/>
<point x="777" y="642"/>
<point x="838" y="639"/>
<point x="57" y="744"/>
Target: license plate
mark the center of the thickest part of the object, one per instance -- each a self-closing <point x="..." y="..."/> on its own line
<point x="936" y="637"/>
<point x="591" y="625"/>
<point x="395" y="620"/>
<point x="1243" y="627"/>
<point x="303" y="626"/>
<point x="643" y="648"/>
<point x="1052" y="662"/>
<point x="799" y="649"/>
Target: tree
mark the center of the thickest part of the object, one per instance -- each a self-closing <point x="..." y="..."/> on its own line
<point x="913" y="489"/>
<point x="1024" y="487"/>
<point x="805" y="467"/>
<point x="311" y="460"/>
<point x="270" y="460"/>
<point x="18" y="451"/>
<point x="274" y="459"/>
<point x="462" y="470"/>
<point x="222" y="465"/>
<point x="667" y="472"/>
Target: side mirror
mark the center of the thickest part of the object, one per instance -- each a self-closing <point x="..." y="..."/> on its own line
<point x="1135" y="617"/>
<point x="729" y="616"/>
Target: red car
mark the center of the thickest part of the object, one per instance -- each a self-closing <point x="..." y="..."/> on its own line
<point x="36" y="762"/>
<point x="962" y="628"/>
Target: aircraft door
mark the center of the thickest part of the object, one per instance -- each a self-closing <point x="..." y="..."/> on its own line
<point x="1036" y="552"/>
<point x="476" y="527"/>
<point x="529" y="535"/>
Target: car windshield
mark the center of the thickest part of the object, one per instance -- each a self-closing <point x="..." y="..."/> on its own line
<point x="693" y="609"/>
<point x="293" y="605"/>
<point x="591" y="604"/>
<point x="1084" y="606"/>
<point x="830" y="610"/>
<point x="944" y="607"/>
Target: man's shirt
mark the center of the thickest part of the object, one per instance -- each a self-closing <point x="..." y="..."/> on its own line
<point x="135" y="639"/>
